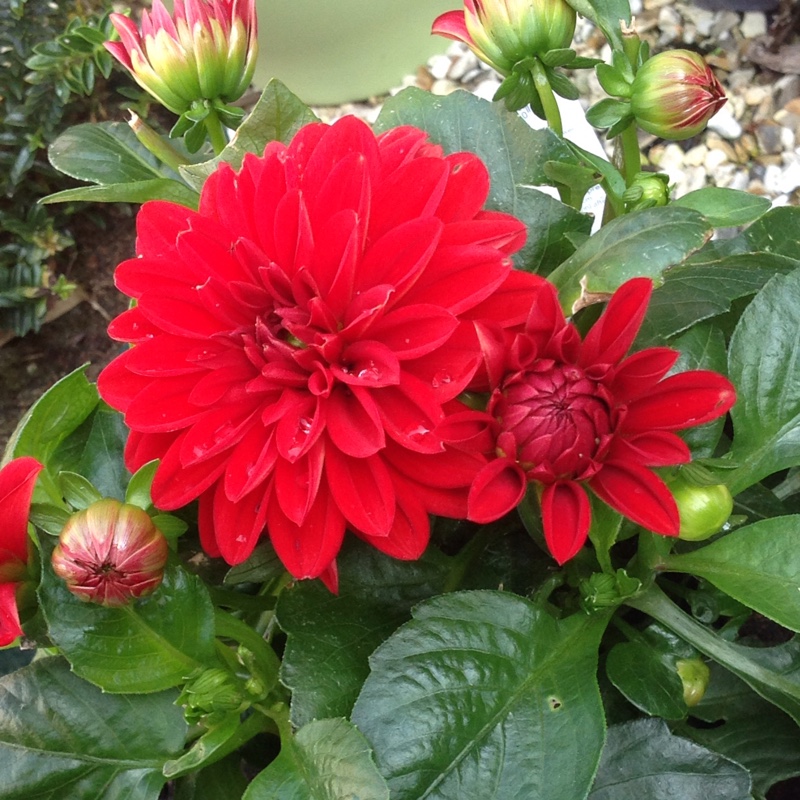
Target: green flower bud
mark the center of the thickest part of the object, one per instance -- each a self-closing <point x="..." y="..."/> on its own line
<point x="674" y="94"/>
<point x="110" y="553"/>
<point x="204" y="51"/>
<point x="703" y="510"/>
<point x="504" y="32"/>
<point x="694" y="675"/>
<point x="648" y="190"/>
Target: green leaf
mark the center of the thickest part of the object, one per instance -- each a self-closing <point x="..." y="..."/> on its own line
<point x="138" y="491"/>
<point x="62" y="737"/>
<point x="484" y="694"/>
<point x="513" y="153"/>
<point x="606" y="15"/>
<point x="104" y="153"/>
<point x="326" y="760"/>
<point x="277" y="116"/>
<point x="704" y="287"/>
<point x="725" y="208"/>
<point x="647" y="679"/>
<point x="53" y="417"/>
<point x="642" y="759"/>
<point x="548" y="223"/>
<point x="131" y="192"/>
<point x="777" y="232"/>
<point x="148" y="646"/>
<point x="755" y="734"/>
<point x="758" y="565"/>
<point x="77" y="491"/>
<point x="763" y="364"/>
<point x="95" y="451"/>
<point x="643" y="243"/>
<point x="607" y="112"/>
<point x="332" y="636"/>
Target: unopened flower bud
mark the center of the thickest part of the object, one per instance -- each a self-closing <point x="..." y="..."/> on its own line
<point x="675" y="94"/>
<point x="211" y="691"/>
<point x="694" y="675"/>
<point x="703" y="509"/>
<point x="648" y="190"/>
<point x="504" y="32"/>
<point x="111" y="554"/>
<point x="205" y="51"/>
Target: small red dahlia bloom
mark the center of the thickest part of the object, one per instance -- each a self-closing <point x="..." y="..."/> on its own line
<point x="17" y="479"/>
<point x="568" y="414"/>
<point x="296" y="339"/>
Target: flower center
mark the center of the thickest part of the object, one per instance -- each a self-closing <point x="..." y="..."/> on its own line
<point x="560" y="420"/>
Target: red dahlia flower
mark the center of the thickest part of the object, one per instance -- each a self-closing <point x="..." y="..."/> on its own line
<point x="17" y="479"/>
<point x="567" y="414"/>
<point x="295" y="341"/>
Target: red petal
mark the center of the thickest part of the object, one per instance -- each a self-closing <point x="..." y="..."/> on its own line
<point x="307" y="551"/>
<point x="17" y="480"/>
<point x="9" y="616"/>
<point x="613" y="334"/>
<point x="681" y="401"/>
<point x="452" y="24"/>
<point x="410" y="532"/>
<point x="158" y="225"/>
<point x="250" y="463"/>
<point x="498" y="487"/>
<point x="413" y="331"/>
<point x="354" y="422"/>
<point x="363" y="490"/>
<point x="175" y="485"/>
<point x="216" y="431"/>
<point x="297" y="484"/>
<point x="467" y="190"/>
<point x="163" y="406"/>
<point x="650" y="449"/>
<point x="118" y="386"/>
<point x="409" y="415"/>
<point x="237" y="526"/>
<point x="205" y="523"/>
<point x="566" y="517"/>
<point x="638" y="494"/>
<point x="638" y="373"/>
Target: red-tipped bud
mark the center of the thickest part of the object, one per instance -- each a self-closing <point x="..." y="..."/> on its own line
<point x="503" y="32"/>
<point x="205" y="50"/>
<point x="111" y="554"/>
<point x="675" y="94"/>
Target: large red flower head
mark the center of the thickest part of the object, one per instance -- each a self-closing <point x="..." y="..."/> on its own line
<point x="295" y="341"/>
<point x="17" y="479"/>
<point x="568" y="414"/>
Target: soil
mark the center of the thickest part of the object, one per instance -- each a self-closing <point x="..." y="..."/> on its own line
<point x="31" y="364"/>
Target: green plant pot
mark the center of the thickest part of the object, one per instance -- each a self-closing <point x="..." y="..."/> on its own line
<point x="330" y="52"/>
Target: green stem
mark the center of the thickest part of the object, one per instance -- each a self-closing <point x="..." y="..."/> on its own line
<point x="764" y="680"/>
<point x="230" y="627"/>
<point x="545" y="92"/>
<point x="216" y="132"/>
<point x="631" y="155"/>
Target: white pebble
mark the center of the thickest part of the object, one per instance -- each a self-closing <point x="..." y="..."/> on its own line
<point x="725" y="124"/>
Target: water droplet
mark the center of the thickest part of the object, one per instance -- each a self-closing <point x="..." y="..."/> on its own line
<point x="441" y="378"/>
<point x="370" y="372"/>
<point x="418" y="432"/>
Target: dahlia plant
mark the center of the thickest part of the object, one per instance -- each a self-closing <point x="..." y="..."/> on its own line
<point x="410" y="480"/>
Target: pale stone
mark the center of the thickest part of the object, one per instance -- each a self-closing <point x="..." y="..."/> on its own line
<point x="754" y="24"/>
<point x="696" y="156"/>
<point x="725" y="124"/>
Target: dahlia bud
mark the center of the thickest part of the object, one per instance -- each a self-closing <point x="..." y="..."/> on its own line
<point x="695" y="676"/>
<point x="648" y="190"/>
<point x="675" y="94"/>
<point x="110" y="554"/>
<point x="205" y="51"/>
<point x="504" y="32"/>
<point x="703" y="510"/>
<point x="211" y="691"/>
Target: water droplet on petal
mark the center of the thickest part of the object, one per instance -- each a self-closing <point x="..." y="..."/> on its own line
<point x="441" y="378"/>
